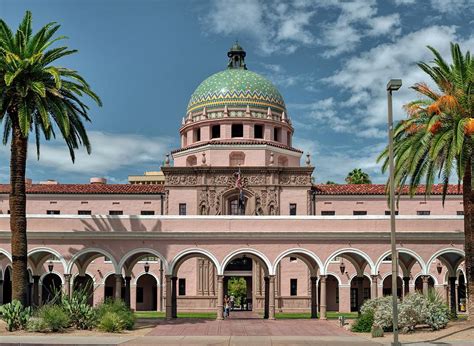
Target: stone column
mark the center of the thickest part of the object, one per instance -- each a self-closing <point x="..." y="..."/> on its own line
<point x="36" y="298"/>
<point x="314" y="300"/>
<point x="373" y="287"/>
<point x="67" y="284"/>
<point x="1" y="292"/>
<point x="271" y="297"/>
<point x="446" y="293"/>
<point x="453" y="301"/>
<point x="425" y="278"/>
<point x="220" y="297"/>
<point x="168" y="313"/>
<point x="118" y="286"/>
<point x="322" y="282"/>
<point x="174" y="297"/>
<point x="160" y="288"/>
<point x="127" y="290"/>
<point x="406" y="288"/>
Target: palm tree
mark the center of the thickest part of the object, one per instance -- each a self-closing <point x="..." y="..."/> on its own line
<point x="357" y="176"/>
<point x="436" y="141"/>
<point x="37" y="97"/>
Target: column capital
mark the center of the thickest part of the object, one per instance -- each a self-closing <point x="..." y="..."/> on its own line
<point x="425" y="278"/>
<point x="322" y="278"/>
<point x="314" y="278"/>
<point x="67" y="275"/>
<point x="118" y="276"/>
<point x="128" y="278"/>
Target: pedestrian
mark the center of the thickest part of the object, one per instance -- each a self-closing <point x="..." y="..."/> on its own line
<point x="226" y="306"/>
<point x="232" y="300"/>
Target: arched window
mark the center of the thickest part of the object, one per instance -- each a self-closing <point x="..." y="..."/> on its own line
<point x="235" y="208"/>
<point x="236" y="158"/>
<point x="191" y="161"/>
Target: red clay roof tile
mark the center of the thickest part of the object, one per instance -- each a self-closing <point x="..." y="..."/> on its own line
<point x="85" y="189"/>
<point x="377" y="189"/>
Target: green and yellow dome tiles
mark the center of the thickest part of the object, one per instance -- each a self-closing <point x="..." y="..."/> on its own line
<point x="236" y="87"/>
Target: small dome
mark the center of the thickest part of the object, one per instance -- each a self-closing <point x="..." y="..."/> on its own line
<point x="236" y="87"/>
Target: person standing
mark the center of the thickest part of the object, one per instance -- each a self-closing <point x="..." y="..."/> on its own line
<point x="232" y="301"/>
<point x="226" y="306"/>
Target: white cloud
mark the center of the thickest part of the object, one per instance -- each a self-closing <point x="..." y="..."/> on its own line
<point x="278" y="75"/>
<point x="404" y="2"/>
<point x="384" y="25"/>
<point x="110" y="153"/>
<point x="364" y="77"/>
<point x="451" y="6"/>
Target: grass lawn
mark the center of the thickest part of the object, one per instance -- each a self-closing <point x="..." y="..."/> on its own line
<point x="330" y="314"/>
<point x="160" y="314"/>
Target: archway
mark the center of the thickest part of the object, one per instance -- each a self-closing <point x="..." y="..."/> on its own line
<point x="332" y="293"/>
<point x="290" y="267"/>
<point x="360" y="291"/>
<point x="136" y="263"/>
<point x="461" y="293"/>
<point x="191" y="282"/>
<point x="110" y="286"/>
<point x="257" y="270"/>
<point x="146" y="293"/>
<point x="7" y="286"/>
<point x="51" y="287"/>
<point x="85" y="284"/>
<point x="387" y="286"/>
<point x="419" y="283"/>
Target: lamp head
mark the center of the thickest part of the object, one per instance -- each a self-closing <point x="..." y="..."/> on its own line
<point x="394" y="84"/>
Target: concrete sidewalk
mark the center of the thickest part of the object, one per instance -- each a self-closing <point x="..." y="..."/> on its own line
<point x="187" y="340"/>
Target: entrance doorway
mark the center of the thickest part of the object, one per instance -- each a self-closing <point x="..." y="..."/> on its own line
<point x="238" y="283"/>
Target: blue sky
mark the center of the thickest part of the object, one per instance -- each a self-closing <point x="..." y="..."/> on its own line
<point x="331" y="60"/>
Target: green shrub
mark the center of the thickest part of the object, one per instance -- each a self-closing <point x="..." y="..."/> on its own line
<point x="36" y="324"/>
<point x="412" y="312"/>
<point x="120" y="308"/>
<point x="376" y="331"/>
<point x="111" y="322"/>
<point x="437" y="312"/>
<point x="54" y="316"/>
<point x="80" y="313"/>
<point x="363" y="323"/>
<point x="15" y="315"/>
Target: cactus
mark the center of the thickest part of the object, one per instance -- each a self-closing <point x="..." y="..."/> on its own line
<point x="15" y="315"/>
<point x="376" y="331"/>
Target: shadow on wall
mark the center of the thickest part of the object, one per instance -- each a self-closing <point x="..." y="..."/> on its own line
<point x="101" y="223"/>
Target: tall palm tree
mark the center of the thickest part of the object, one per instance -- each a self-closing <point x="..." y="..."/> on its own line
<point x="436" y="141"/>
<point x="358" y="176"/>
<point x="37" y="97"/>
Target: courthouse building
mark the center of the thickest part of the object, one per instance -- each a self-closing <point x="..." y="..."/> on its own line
<point x="235" y="200"/>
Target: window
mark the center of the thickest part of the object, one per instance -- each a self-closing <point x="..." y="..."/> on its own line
<point x="292" y="208"/>
<point x="387" y="212"/>
<point x="276" y="134"/>
<point x="182" y="287"/>
<point x="359" y="212"/>
<point x="53" y="212"/>
<point x="328" y="212"/>
<point x="237" y="130"/>
<point x="234" y="208"/>
<point x="258" y="131"/>
<point x="423" y="212"/>
<point x="139" y="294"/>
<point x="147" y="212"/>
<point x="197" y="135"/>
<point x="460" y="212"/>
<point x="115" y="212"/>
<point x="216" y="131"/>
<point x="236" y="158"/>
<point x="84" y="212"/>
<point x="293" y="259"/>
<point x="182" y="209"/>
<point x="293" y="287"/>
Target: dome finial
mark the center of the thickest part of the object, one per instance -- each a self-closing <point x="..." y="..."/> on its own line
<point x="236" y="56"/>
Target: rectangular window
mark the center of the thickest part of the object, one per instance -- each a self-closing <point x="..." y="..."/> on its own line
<point x="139" y="294"/>
<point x="423" y="212"/>
<point x="115" y="212"/>
<point x="258" y="131"/>
<point x="293" y="259"/>
<point x="292" y="208"/>
<point x="182" y="209"/>
<point x="147" y="212"/>
<point x="328" y="212"/>
<point x="53" y="212"/>
<point x="293" y="287"/>
<point x="359" y="212"/>
<point x="387" y="212"/>
<point x="84" y="212"/>
<point x="237" y="130"/>
<point x="276" y="134"/>
<point x="182" y="287"/>
<point x="216" y="131"/>
<point x="460" y="212"/>
<point x="197" y="135"/>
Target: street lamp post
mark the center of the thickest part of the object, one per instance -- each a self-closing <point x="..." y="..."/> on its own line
<point x="393" y="85"/>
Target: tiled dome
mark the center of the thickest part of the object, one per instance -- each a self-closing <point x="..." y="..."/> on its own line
<point x="236" y="87"/>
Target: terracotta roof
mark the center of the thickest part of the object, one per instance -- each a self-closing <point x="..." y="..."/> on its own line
<point x="377" y="189"/>
<point x="237" y="141"/>
<point x="86" y="189"/>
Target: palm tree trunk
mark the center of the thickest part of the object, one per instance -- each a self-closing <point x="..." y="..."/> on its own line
<point x="19" y="146"/>
<point x="468" y="202"/>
